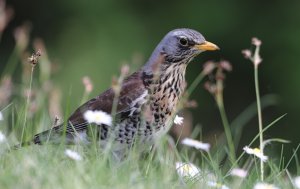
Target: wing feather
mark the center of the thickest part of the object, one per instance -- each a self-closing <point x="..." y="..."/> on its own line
<point x="132" y="88"/>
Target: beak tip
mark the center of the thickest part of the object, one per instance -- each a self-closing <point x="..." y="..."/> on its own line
<point x="208" y="46"/>
<point x="214" y="47"/>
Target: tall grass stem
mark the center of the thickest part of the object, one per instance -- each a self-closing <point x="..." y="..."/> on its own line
<point x="259" y="120"/>
<point x="27" y="103"/>
<point x="226" y="125"/>
<point x="195" y="83"/>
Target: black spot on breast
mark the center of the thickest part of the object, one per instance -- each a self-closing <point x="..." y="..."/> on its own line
<point x="174" y="96"/>
<point x="165" y="88"/>
<point x="165" y="79"/>
<point x="132" y="133"/>
<point x="156" y="116"/>
<point x="171" y="90"/>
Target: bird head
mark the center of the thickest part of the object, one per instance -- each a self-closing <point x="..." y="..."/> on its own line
<point x="179" y="46"/>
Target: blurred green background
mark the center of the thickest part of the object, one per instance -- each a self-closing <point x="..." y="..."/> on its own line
<point x="95" y="38"/>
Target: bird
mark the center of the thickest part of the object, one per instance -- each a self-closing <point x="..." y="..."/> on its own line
<point x="147" y="100"/>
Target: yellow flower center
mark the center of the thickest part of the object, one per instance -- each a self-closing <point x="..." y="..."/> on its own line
<point x="98" y="117"/>
<point x="257" y="150"/>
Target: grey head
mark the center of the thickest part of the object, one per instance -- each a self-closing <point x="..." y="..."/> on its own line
<point x="180" y="46"/>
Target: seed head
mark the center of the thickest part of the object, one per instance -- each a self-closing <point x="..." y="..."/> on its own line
<point x="125" y="70"/>
<point x="87" y="84"/>
<point x="190" y="104"/>
<point x="247" y="53"/>
<point x="256" y="41"/>
<point x="209" y="67"/>
<point x="225" y="65"/>
<point x="210" y="87"/>
<point x="33" y="60"/>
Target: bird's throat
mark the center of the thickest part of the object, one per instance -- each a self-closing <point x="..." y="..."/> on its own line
<point x="165" y="92"/>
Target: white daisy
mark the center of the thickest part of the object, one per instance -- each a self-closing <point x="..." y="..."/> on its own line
<point x="178" y="120"/>
<point x="262" y="185"/>
<point x="239" y="172"/>
<point x="2" y="137"/>
<point x="257" y="152"/>
<point x="216" y="185"/>
<point x="187" y="170"/>
<point x="196" y="144"/>
<point x="1" y="116"/>
<point x="73" y="155"/>
<point x="297" y="182"/>
<point x="98" y="117"/>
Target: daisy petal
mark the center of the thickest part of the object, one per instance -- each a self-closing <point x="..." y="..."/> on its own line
<point x="196" y="144"/>
<point x="217" y="185"/>
<point x="297" y="182"/>
<point x="73" y="155"/>
<point x="2" y="137"/>
<point x="257" y="152"/>
<point x="239" y="172"/>
<point x="178" y="120"/>
<point x="262" y="185"/>
<point x="98" y="117"/>
<point x="187" y="169"/>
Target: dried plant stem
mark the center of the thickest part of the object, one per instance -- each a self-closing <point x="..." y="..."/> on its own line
<point x="259" y="119"/>
<point x="27" y="103"/>
<point x="226" y="125"/>
<point x="256" y="59"/>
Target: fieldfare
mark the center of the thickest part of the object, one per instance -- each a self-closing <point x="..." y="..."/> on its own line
<point x="147" y="101"/>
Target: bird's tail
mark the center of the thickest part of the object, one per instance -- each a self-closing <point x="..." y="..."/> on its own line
<point x="52" y="136"/>
<point x="36" y="140"/>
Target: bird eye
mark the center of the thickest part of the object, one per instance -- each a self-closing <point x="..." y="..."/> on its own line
<point x="183" y="41"/>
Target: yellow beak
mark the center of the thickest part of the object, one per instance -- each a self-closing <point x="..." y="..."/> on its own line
<point x="207" y="46"/>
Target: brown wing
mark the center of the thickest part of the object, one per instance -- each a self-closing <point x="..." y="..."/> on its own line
<point x="132" y="88"/>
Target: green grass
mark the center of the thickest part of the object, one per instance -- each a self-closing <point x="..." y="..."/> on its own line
<point x="48" y="166"/>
